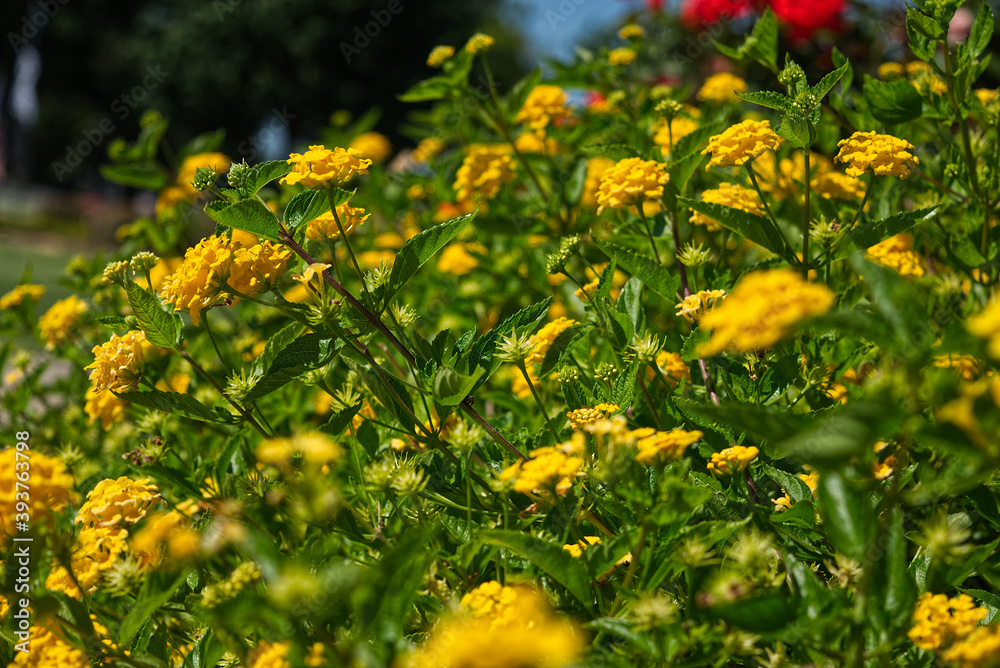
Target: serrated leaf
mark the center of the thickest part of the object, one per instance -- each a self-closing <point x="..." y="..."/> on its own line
<point x="560" y="347"/>
<point x="276" y="343"/>
<point x="656" y="277"/>
<point x="839" y="59"/>
<point x="847" y="513"/>
<point x="482" y="351"/>
<point x="306" y="353"/>
<point x="421" y="248"/>
<point x="827" y="83"/>
<point x="764" y="40"/>
<point x="624" y="387"/>
<point x="434" y="88"/>
<point x="894" y="101"/>
<point x="796" y="488"/>
<point x="145" y="175"/>
<point x="923" y="24"/>
<point x="841" y="432"/>
<point x="795" y="130"/>
<point x="757" y="229"/>
<point x="304" y="207"/>
<point x="982" y="30"/>
<point x="162" y="329"/>
<point x="249" y="215"/>
<point x="451" y="388"/>
<point x="112" y="321"/>
<point x="263" y="173"/>
<point x="338" y="422"/>
<point x="760" y="422"/>
<point x="551" y="559"/>
<point x="868" y="235"/>
<point x="769" y="99"/>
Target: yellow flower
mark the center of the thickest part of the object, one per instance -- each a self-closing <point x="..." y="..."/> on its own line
<point x="544" y="105"/>
<point x="580" y="417"/>
<point x="522" y="631"/>
<point x="596" y="167"/>
<point x="165" y="534"/>
<point x="576" y="549"/>
<point x="456" y="259"/>
<point x="320" y="167"/>
<point x="118" y="503"/>
<point x="722" y="87"/>
<point x="117" y="363"/>
<point x="256" y="269"/>
<point x="741" y="143"/>
<point x="56" y="324"/>
<point x="880" y="154"/>
<point x="316" y="449"/>
<point x="731" y="195"/>
<point x="50" y="485"/>
<point x="104" y="406"/>
<point x="668" y="134"/>
<point x="271" y="655"/>
<point x="673" y="367"/>
<point x="631" y="181"/>
<point x="185" y="175"/>
<point x="811" y="480"/>
<point x="621" y="57"/>
<point x="732" y="460"/>
<point x="197" y="283"/>
<point x="325" y="226"/>
<point x="164" y="268"/>
<point x="979" y="649"/>
<point x="479" y="42"/>
<point x="897" y="254"/>
<point x="485" y="169"/>
<point x="987" y="95"/>
<point x="694" y="306"/>
<point x="631" y="31"/>
<point x="834" y="185"/>
<point x="890" y="71"/>
<point x="545" y="336"/>
<point x="986" y="325"/>
<point x="427" y="149"/>
<point x="16" y="296"/>
<point x="762" y="309"/>
<point x="439" y="54"/>
<point x="536" y="142"/>
<point x="782" y="503"/>
<point x="374" y="146"/>
<point x="547" y="468"/>
<point x="666" y="446"/>
<point x="496" y="603"/>
<point x="939" y="619"/>
<point x="50" y="649"/>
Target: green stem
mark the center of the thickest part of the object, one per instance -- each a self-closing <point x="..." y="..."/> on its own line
<point x="806" y="218"/>
<point x="864" y="200"/>
<point x="649" y="233"/>
<point x="350" y="251"/>
<point x="242" y="411"/>
<point x="538" y="400"/>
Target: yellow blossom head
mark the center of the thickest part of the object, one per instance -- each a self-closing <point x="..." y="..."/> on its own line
<point x="320" y="167"/>
<point x="622" y="57"/>
<point x="219" y="162"/>
<point x="56" y="325"/>
<point x="883" y="155"/>
<point x="325" y="226"/>
<point x="479" y="42"/>
<point x="732" y="460"/>
<point x="427" y="148"/>
<point x="439" y="54"/>
<point x="631" y="31"/>
<point x="51" y="488"/>
<point x="373" y="146"/>
<point x="103" y="405"/>
<point x="485" y="169"/>
<point x="316" y="449"/>
<point x="17" y="296"/>
<point x="722" y="87"/>
<point x="741" y="143"/>
<point x="732" y="195"/>
<point x="118" y="503"/>
<point x="117" y="363"/>
<point x="545" y="104"/>
<point x="631" y="182"/>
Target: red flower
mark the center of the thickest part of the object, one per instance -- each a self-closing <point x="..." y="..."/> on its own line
<point x="805" y="17"/>
<point x="654" y="5"/>
<point x="698" y="13"/>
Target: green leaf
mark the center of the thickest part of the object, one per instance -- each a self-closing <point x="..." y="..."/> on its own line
<point x="112" y="321"/>
<point x="451" y="388"/>
<point x="924" y="25"/>
<point x="896" y="301"/>
<point x="263" y="173"/>
<point x="624" y="387"/>
<point x="827" y="83"/>
<point x="162" y="329"/>
<point x="249" y="215"/>
<point x="893" y="587"/>
<point x="305" y="353"/>
<point x="385" y="606"/>
<point x="839" y="60"/>
<point x="760" y="422"/>
<point x="338" y="422"/>
<point x="796" y="488"/>
<point x="769" y="99"/>
<point x="757" y="229"/>
<point x="880" y="230"/>
<point x="304" y="207"/>
<point x="698" y="337"/>
<point x="795" y="130"/>
<point x="177" y="404"/>
<point x="894" y="101"/>
<point x="435" y="88"/>
<point x="276" y="343"/>
<point x="982" y="31"/>
<point x="389" y="391"/>
<point x="843" y="432"/>
<point x="482" y="351"/>
<point x="156" y="590"/>
<point x="551" y="559"/>
<point x="421" y="248"/>
<point x="691" y="144"/>
<point x="145" y="175"/>
<point x="560" y="347"/>
<point x="764" y="41"/>
<point x="848" y="517"/>
<point x="657" y="278"/>
<point x="203" y="143"/>
<point x="761" y="613"/>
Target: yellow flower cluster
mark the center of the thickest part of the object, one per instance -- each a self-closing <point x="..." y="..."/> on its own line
<point x="631" y="31"/>
<point x="185" y="175"/>
<point x="479" y="42"/>
<point x="731" y="195"/>
<point x="325" y="226"/>
<point x="485" y="169"/>
<point x="49" y="649"/>
<point x="722" y="87"/>
<point x="668" y="134"/>
<point x="662" y="446"/>
<point x="117" y="363"/>
<point x="216" y="262"/>
<point x="880" y="154"/>
<point x="496" y="603"/>
<point x="673" y="367"/>
<point x="55" y="326"/>
<point x="732" y="460"/>
<point x="834" y="185"/>
<point x="548" y="468"/>
<point x="762" y="309"/>
<point x="525" y="632"/>
<point x="427" y="149"/>
<point x="631" y="181"/>
<point x="576" y="549"/>
<point x="316" y="449"/>
<point x="373" y="146"/>
<point x="741" y="143"/>
<point x="243" y="576"/>
<point x="103" y="405"/>
<point x="596" y="167"/>
<point x="536" y="142"/>
<point x="166" y="534"/>
<point x="51" y="489"/>
<point x="439" y="54"/>
<point x="320" y="167"/>
<point x="979" y="649"/>
<point x="939" y="620"/>
<point x="458" y="259"/>
<point x="544" y="105"/>
<point x="545" y="336"/>
<point x="622" y="57"/>
<point x="271" y="655"/>
<point x="580" y="417"/>
<point x="967" y="366"/>
<point x="120" y="502"/>
<point x="897" y="254"/>
<point x="986" y="325"/>
<point x="17" y="296"/>
<point x="701" y="302"/>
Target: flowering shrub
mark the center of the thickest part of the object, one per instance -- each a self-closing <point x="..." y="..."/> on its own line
<point x="700" y="374"/>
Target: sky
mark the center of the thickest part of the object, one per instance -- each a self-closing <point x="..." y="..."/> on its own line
<point x="552" y="28"/>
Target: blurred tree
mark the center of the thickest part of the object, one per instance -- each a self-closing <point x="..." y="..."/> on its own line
<point x="242" y="65"/>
